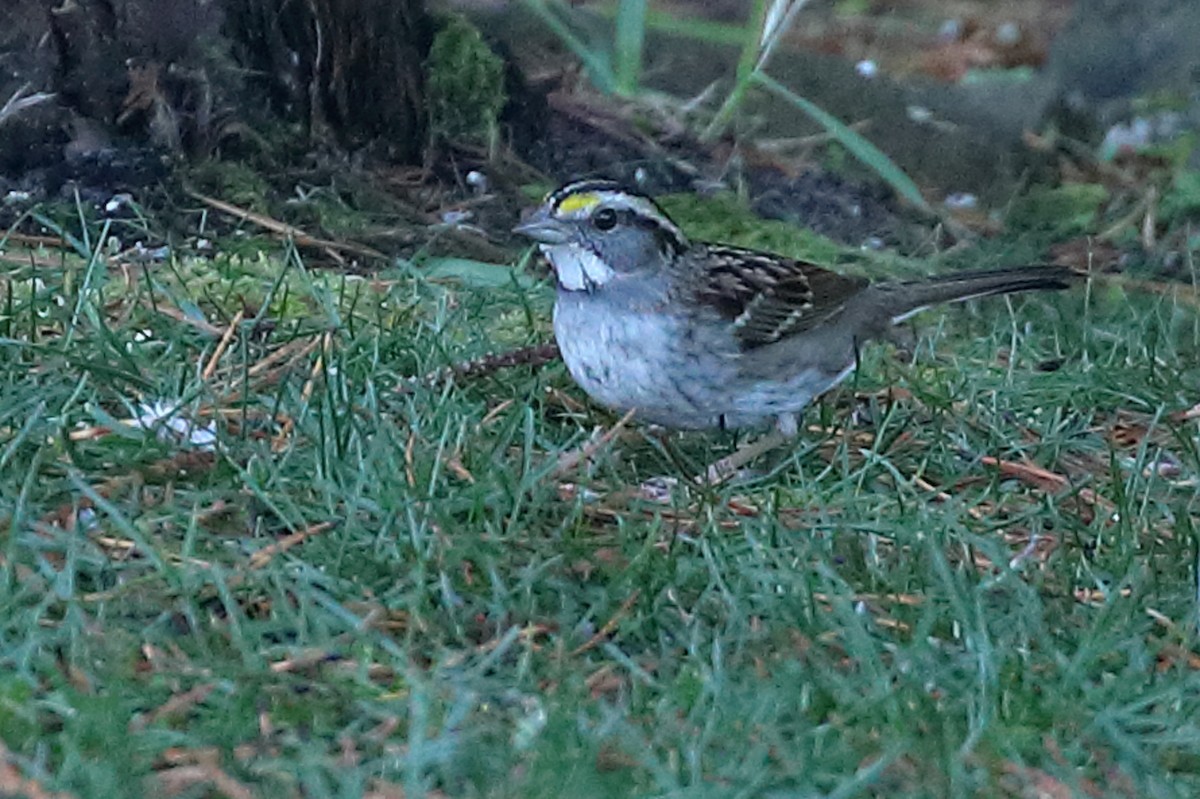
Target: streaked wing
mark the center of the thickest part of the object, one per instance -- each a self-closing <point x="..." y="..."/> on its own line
<point x="768" y="298"/>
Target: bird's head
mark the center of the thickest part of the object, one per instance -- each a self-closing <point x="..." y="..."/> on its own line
<point x="594" y="231"/>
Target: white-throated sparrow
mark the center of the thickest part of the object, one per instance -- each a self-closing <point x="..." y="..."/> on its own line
<point x="694" y="335"/>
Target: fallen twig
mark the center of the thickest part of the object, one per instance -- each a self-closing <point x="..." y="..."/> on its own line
<point x="568" y="461"/>
<point x="537" y="355"/>
<point x="264" y="556"/>
<point x="609" y="627"/>
<point x="176" y="704"/>
<point x="331" y="248"/>
<point x="1046" y="480"/>
<point x="222" y="345"/>
<point x="179" y="316"/>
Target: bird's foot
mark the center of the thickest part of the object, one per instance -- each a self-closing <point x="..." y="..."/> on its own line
<point x="731" y="465"/>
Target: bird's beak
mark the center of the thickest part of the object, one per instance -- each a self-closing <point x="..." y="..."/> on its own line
<point x="543" y="228"/>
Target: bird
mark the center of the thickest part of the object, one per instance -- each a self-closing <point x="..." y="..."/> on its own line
<point x="694" y="335"/>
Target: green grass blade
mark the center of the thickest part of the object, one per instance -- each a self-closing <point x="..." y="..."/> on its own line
<point x="595" y="61"/>
<point x="745" y="72"/>
<point x="701" y="30"/>
<point x="630" y="38"/>
<point x="858" y="146"/>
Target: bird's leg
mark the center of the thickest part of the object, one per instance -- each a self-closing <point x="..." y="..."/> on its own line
<point x="785" y="430"/>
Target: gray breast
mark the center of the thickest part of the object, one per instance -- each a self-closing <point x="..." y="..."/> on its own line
<point x="641" y="358"/>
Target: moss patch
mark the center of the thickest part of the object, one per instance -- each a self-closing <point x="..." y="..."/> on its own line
<point x="466" y="82"/>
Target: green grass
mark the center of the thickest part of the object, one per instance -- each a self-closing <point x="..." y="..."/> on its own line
<point x="830" y="629"/>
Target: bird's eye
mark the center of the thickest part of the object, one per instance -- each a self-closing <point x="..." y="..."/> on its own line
<point x="605" y="219"/>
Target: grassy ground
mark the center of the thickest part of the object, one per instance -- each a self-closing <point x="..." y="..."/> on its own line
<point x="981" y="583"/>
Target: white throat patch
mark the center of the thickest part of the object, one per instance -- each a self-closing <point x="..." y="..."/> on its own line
<point x="577" y="268"/>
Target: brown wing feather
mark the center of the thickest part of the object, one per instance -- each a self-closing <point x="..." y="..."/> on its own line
<point x="768" y="298"/>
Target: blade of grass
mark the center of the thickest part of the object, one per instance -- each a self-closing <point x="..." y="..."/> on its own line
<point x="743" y="75"/>
<point x="701" y="30"/>
<point x="630" y="38"/>
<point x="778" y="22"/>
<point x="84" y="303"/>
<point x="595" y="61"/>
<point x="859" y="147"/>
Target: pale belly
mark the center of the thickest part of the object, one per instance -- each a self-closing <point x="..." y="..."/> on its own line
<point x="626" y="360"/>
<point x="629" y="360"/>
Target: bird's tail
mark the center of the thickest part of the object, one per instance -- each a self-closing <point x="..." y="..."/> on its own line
<point x="903" y="299"/>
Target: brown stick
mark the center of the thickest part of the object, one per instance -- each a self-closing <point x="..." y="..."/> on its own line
<point x="609" y="627"/>
<point x="223" y="344"/>
<point x="263" y="556"/>
<point x="570" y="460"/>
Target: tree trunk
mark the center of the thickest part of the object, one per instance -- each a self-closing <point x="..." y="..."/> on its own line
<point x="350" y="69"/>
<point x="80" y="78"/>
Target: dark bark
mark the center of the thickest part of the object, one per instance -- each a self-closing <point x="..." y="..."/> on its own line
<point x="192" y="77"/>
<point x="351" y="70"/>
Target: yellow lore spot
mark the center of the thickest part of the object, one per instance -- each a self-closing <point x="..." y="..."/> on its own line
<point x="578" y="202"/>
